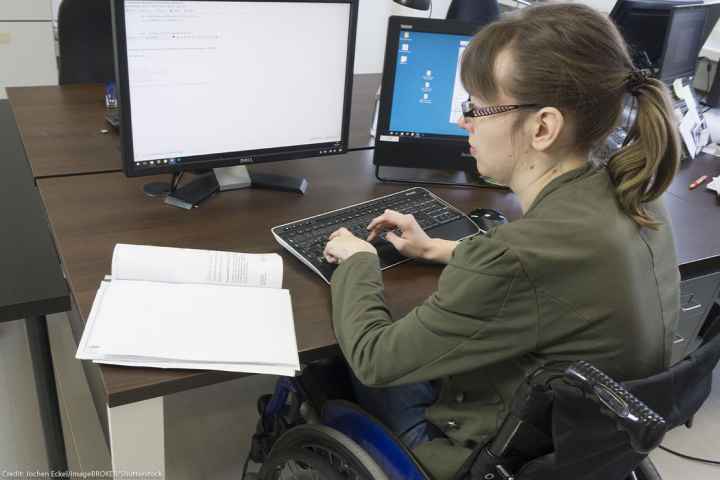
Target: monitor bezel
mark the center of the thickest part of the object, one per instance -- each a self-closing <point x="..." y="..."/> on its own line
<point x="413" y="151"/>
<point x="199" y="163"/>
<point x="688" y="73"/>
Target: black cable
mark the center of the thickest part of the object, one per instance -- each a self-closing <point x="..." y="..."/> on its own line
<point x="688" y="457"/>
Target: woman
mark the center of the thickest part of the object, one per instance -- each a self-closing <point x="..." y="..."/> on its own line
<point x="589" y="271"/>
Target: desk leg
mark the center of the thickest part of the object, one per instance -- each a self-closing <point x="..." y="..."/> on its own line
<point x="39" y="343"/>
<point x="137" y="439"/>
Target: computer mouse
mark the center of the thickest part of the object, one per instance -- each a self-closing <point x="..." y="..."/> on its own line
<point x="487" y="218"/>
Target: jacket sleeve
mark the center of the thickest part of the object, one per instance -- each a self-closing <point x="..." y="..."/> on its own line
<point x="484" y="311"/>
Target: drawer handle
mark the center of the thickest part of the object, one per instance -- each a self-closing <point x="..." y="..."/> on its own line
<point x="678" y="338"/>
<point x="690" y="309"/>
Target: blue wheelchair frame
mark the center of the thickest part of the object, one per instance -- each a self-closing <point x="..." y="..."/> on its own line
<point x="349" y="419"/>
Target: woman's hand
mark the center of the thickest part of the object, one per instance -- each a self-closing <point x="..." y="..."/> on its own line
<point x="343" y="245"/>
<point x="412" y="241"/>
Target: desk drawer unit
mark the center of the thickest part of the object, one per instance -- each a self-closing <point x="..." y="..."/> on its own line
<point x="696" y="297"/>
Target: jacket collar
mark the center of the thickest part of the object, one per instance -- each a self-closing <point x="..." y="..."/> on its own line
<point x="560" y="181"/>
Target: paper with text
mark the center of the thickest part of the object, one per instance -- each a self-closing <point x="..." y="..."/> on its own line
<point x="184" y="265"/>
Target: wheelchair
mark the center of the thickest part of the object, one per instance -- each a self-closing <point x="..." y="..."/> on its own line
<point x="566" y="421"/>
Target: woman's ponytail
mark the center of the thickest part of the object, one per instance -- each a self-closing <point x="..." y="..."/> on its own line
<point x="646" y="164"/>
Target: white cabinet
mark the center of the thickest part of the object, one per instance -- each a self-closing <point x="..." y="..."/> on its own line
<point x="25" y="10"/>
<point x="27" y="48"/>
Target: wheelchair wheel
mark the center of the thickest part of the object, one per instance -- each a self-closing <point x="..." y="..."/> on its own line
<point x="317" y="452"/>
<point x="645" y="471"/>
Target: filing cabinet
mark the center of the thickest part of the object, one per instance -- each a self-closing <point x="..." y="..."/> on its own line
<point x="697" y="296"/>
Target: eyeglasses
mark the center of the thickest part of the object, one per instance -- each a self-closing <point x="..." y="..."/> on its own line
<point x="469" y="109"/>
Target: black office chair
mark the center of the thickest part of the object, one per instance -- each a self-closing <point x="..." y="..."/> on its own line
<point x="86" y="45"/>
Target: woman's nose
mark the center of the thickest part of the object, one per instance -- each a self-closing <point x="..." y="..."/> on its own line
<point x="464" y="124"/>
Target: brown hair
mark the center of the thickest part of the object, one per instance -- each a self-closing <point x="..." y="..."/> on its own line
<point x="571" y="57"/>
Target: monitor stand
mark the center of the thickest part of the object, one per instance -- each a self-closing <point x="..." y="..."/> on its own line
<point x="206" y="184"/>
<point x="430" y="176"/>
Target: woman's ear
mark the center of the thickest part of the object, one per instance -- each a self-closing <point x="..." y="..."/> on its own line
<point x="546" y="127"/>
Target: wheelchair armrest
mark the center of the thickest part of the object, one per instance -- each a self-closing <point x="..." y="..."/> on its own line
<point x="645" y="428"/>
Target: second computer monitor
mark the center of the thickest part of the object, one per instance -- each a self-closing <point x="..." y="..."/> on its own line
<point x="683" y="42"/>
<point x="421" y="95"/>
<point x="665" y="35"/>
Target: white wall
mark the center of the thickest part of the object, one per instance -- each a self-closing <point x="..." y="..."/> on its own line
<point x="372" y="30"/>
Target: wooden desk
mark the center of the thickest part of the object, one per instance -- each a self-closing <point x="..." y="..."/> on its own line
<point x="696" y="217"/>
<point x="60" y="126"/>
<point x="90" y="214"/>
<point x="31" y="281"/>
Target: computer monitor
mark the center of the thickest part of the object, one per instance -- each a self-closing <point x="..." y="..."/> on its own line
<point x="683" y="42"/>
<point x="713" y="15"/>
<point x="665" y="35"/>
<point x="220" y="83"/>
<point x="421" y="96"/>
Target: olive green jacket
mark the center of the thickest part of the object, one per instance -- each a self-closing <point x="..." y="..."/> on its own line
<point x="575" y="278"/>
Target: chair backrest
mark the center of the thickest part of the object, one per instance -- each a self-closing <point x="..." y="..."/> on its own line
<point x="584" y="443"/>
<point x="678" y="393"/>
<point x="85" y="38"/>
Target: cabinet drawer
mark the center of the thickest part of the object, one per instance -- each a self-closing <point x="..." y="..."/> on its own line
<point x="697" y="295"/>
<point x="688" y="326"/>
<point x="679" y="347"/>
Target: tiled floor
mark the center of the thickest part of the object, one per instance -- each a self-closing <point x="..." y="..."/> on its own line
<point x="208" y="429"/>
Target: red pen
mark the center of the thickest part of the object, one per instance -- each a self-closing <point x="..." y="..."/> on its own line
<point x="698" y="182"/>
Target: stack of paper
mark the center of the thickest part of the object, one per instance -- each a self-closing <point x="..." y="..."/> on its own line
<point x="693" y="127"/>
<point x="178" y="308"/>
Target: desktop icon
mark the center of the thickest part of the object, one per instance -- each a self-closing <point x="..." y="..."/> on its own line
<point x="403" y="58"/>
<point x="406" y="34"/>
<point x="425" y="96"/>
<point x="405" y="47"/>
<point x="428" y="73"/>
<point x="427" y="84"/>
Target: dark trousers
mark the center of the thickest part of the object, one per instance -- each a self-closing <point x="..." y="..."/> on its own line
<point x="401" y="409"/>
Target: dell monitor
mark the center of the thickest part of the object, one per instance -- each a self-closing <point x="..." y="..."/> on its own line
<point x="417" y="136"/>
<point x="206" y="85"/>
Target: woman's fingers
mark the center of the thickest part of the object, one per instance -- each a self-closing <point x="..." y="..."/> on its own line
<point x="389" y="220"/>
<point x="338" y="232"/>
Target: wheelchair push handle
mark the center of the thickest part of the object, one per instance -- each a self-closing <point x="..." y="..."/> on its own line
<point x="645" y="428"/>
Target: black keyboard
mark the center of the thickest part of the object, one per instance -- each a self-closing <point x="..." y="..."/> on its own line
<point x="306" y="238"/>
